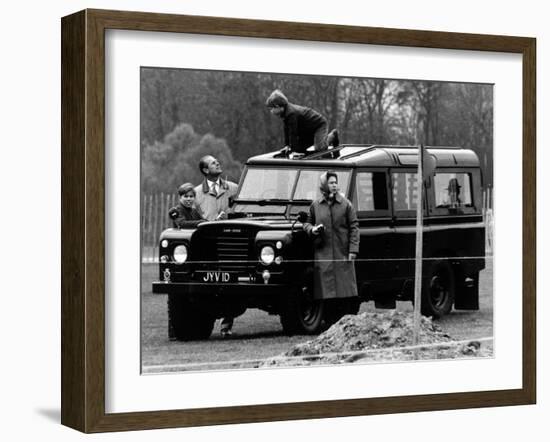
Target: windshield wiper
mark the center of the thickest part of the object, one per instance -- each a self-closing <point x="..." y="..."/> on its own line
<point x="274" y="201"/>
<point x="263" y="202"/>
<point x="301" y="201"/>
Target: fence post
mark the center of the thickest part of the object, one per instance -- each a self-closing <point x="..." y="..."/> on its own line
<point x="143" y="221"/>
<point x="492" y="238"/>
<point x="418" y="248"/>
<point x="166" y="222"/>
<point x="153" y="219"/>
<point x="150" y="224"/>
<point x="161" y="216"/>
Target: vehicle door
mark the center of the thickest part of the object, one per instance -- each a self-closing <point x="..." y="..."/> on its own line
<point x="404" y="198"/>
<point x="371" y="199"/>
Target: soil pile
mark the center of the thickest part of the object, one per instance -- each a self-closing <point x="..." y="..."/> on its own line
<point x="377" y="337"/>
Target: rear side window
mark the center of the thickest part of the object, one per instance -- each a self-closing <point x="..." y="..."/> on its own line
<point x="452" y="190"/>
<point x="405" y="191"/>
<point x="371" y="191"/>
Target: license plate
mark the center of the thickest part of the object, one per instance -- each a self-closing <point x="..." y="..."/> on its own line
<point x="215" y="276"/>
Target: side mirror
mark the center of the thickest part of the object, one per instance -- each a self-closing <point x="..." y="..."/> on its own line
<point x="302" y="216"/>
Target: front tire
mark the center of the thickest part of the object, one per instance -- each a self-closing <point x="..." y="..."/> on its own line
<point x="188" y="321"/>
<point x="301" y="313"/>
<point x="438" y="291"/>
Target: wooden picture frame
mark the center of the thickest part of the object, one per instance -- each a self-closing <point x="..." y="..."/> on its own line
<point x="83" y="220"/>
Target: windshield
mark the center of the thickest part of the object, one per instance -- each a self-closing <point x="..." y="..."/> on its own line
<point x="262" y="184"/>
<point x="270" y="185"/>
<point x="308" y="184"/>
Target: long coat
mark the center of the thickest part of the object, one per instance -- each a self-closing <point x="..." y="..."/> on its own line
<point x="211" y="204"/>
<point x="334" y="273"/>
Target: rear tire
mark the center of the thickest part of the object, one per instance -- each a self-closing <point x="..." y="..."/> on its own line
<point x="438" y="290"/>
<point x="301" y="313"/>
<point x="188" y="321"/>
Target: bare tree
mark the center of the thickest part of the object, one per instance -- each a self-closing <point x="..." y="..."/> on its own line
<point x="231" y="107"/>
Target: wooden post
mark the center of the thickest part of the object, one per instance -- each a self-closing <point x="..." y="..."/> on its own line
<point x="155" y="217"/>
<point x="150" y="224"/>
<point x="163" y="210"/>
<point x="144" y="228"/>
<point x="165" y="218"/>
<point x="418" y="258"/>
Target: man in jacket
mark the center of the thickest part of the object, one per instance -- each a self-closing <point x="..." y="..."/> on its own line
<point x="214" y="197"/>
<point x="332" y="223"/>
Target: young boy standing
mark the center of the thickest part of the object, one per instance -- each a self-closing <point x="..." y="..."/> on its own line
<point x="185" y="213"/>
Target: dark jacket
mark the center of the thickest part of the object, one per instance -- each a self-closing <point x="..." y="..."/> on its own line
<point x="334" y="274"/>
<point x="300" y="124"/>
<point x="182" y="216"/>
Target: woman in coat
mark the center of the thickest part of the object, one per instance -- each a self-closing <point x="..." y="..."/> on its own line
<point x="332" y="223"/>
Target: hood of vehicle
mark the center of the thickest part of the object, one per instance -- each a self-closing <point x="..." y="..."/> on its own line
<point x="255" y="223"/>
<point x="236" y="225"/>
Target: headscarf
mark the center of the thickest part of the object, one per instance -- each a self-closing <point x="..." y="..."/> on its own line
<point x="323" y="182"/>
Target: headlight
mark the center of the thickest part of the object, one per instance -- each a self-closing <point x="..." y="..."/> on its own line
<point x="180" y="254"/>
<point x="267" y="255"/>
<point x="164" y="243"/>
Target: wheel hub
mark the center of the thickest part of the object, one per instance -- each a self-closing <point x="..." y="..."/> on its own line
<point x="307" y="305"/>
<point x="438" y="290"/>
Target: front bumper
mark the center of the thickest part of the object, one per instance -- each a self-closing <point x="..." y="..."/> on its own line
<point x="197" y="288"/>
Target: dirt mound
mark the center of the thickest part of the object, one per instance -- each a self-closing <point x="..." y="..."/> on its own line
<point x="377" y="337"/>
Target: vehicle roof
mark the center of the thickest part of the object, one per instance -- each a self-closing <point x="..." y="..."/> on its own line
<point x="356" y="155"/>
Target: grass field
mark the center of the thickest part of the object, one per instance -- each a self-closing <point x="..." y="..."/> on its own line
<point x="258" y="336"/>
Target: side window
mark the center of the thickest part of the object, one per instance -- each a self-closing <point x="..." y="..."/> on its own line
<point x="405" y="191"/>
<point x="452" y="190"/>
<point x="371" y="192"/>
<point x="308" y="183"/>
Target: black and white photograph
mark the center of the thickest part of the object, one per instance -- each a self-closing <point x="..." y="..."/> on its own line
<point x="282" y="223"/>
<point x="249" y="221"/>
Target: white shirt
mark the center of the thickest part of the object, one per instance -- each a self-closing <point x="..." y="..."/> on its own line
<point x="215" y="185"/>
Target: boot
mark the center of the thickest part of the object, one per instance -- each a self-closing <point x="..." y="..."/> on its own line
<point x="332" y="138"/>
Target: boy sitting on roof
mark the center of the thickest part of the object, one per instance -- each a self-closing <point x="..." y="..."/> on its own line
<point x="303" y="127"/>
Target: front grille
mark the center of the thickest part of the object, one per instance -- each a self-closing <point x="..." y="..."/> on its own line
<point x="232" y="248"/>
<point x="221" y="248"/>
